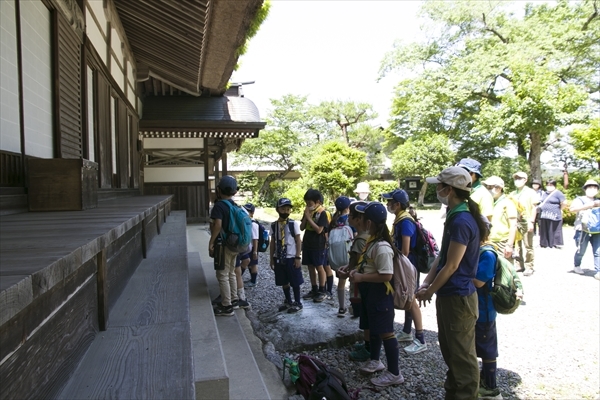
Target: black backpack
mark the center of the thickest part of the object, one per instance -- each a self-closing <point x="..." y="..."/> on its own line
<point x="426" y="248"/>
<point x="317" y="381"/>
<point x="263" y="238"/>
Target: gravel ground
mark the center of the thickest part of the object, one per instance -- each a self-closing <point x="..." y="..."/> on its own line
<point x="549" y="348"/>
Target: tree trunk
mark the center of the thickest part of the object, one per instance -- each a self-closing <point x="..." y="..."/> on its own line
<point x="535" y="154"/>
<point x="422" y="194"/>
<point x="266" y="186"/>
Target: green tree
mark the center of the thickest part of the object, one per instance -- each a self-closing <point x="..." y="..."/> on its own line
<point x="426" y="156"/>
<point x="344" y="114"/>
<point x="488" y="79"/>
<point x="336" y="168"/>
<point x="586" y="142"/>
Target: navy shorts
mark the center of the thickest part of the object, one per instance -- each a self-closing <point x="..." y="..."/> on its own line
<point x="245" y="256"/>
<point x="287" y="273"/>
<point x="377" y="308"/>
<point x="486" y="340"/>
<point x="314" y="257"/>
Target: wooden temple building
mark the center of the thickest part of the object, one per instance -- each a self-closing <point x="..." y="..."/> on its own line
<point x="114" y="113"/>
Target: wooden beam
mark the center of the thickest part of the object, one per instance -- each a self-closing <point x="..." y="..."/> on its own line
<point x="102" y="291"/>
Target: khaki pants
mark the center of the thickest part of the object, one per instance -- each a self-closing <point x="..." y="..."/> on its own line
<point x="525" y="247"/>
<point x="456" y="317"/>
<point x="227" y="279"/>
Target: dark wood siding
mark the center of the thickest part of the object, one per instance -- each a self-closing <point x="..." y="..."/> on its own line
<point x="190" y="197"/>
<point x="104" y="148"/>
<point x="11" y="169"/>
<point x="122" y="155"/>
<point x="69" y="107"/>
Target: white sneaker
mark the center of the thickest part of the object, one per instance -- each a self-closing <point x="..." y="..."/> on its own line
<point x="405" y="337"/>
<point x="372" y="366"/>
<point x="416" y="347"/>
<point x="578" y="270"/>
<point x="388" y="379"/>
<point x="597" y="276"/>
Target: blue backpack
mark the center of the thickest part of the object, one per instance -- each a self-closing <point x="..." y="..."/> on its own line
<point x="238" y="235"/>
<point x="591" y="220"/>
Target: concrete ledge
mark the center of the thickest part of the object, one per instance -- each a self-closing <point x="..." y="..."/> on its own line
<point x="210" y="373"/>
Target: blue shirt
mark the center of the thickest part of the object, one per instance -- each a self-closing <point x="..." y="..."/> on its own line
<point x="485" y="273"/>
<point x="406" y="228"/>
<point x="462" y="229"/>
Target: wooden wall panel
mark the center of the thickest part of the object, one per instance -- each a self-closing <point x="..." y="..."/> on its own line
<point x="104" y="148"/>
<point x="122" y="144"/>
<point x="11" y="169"/>
<point x="188" y="197"/>
<point x="69" y="107"/>
<point x="135" y="154"/>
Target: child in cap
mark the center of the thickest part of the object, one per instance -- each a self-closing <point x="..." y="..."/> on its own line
<point x="315" y="222"/>
<point x="285" y="256"/>
<point x="339" y="223"/>
<point x="252" y="257"/>
<point x="373" y="275"/>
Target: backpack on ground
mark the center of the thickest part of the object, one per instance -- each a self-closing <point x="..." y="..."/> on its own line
<point x="340" y="241"/>
<point x="404" y="280"/>
<point x="506" y="284"/>
<point x="426" y="249"/>
<point x="238" y="234"/>
<point x="318" y="381"/>
<point x="263" y="238"/>
<point x="590" y="220"/>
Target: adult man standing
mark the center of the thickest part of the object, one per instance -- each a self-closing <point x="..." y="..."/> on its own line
<point x="586" y="231"/>
<point x="479" y="194"/>
<point x="504" y="218"/>
<point x="527" y="198"/>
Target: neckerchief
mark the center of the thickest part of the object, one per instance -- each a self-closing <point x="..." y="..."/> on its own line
<point x="362" y="260"/>
<point x="476" y="185"/>
<point x="282" y="247"/>
<point x="461" y="207"/>
<point x="403" y="214"/>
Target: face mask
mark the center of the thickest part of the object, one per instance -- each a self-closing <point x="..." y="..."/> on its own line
<point x="284" y="215"/>
<point x="550" y="188"/>
<point x="442" y="199"/>
<point x="591" y="192"/>
<point x="390" y="209"/>
<point x="520" y="183"/>
<point x="313" y="208"/>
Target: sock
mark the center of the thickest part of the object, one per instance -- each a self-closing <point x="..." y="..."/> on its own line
<point x="322" y="289"/>
<point x="489" y="373"/>
<point x="376" y="347"/>
<point x="315" y="288"/>
<point x="253" y="276"/>
<point x="420" y="335"/>
<point x="243" y="270"/>
<point x="368" y="345"/>
<point x="341" y="294"/>
<point x="297" y="294"/>
<point x="286" y="292"/>
<point x="329" y="284"/>
<point x="241" y="294"/>
<point x="390" y="346"/>
<point x="408" y="319"/>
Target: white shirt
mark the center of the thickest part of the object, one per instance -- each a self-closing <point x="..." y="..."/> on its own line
<point x="290" y="241"/>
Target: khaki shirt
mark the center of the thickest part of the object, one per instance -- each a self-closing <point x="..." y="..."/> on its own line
<point x="528" y="198"/>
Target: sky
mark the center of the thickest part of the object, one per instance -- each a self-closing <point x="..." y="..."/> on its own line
<point x="327" y="50"/>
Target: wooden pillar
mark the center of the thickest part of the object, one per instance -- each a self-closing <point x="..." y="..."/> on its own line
<point x="102" y="290"/>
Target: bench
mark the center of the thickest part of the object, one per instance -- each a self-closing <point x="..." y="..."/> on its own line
<point x="145" y="352"/>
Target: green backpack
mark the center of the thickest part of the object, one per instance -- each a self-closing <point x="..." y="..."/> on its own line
<point x="506" y="284"/>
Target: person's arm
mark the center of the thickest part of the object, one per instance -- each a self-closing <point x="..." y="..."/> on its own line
<point x="478" y="284"/>
<point x="580" y="206"/>
<point x="512" y="234"/>
<point x="456" y="251"/>
<point x="405" y="245"/>
<point x="308" y="220"/>
<point x="298" y="257"/>
<point x="373" y="277"/>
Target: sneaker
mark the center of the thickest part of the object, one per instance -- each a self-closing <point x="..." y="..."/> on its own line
<point x="416" y="347"/>
<point x="578" y="270"/>
<point x="243" y="304"/>
<point x="358" y="346"/>
<point x="528" y="272"/>
<point x="284" y="307"/>
<point x="224" y="311"/>
<point x="329" y="295"/>
<point x="235" y="304"/>
<point x="319" y="297"/>
<point x="309" y="295"/>
<point x="405" y="337"/>
<point x="597" y="276"/>
<point x="341" y="313"/>
<point x="217" y="300"/>
<point x="360" y="354"/>
<point x="372" y="366"/>
<point x="250" y="284"/>
<point x="489" y="394"/>
<point x="388" y="379"/>
<point x="295" y="308"/>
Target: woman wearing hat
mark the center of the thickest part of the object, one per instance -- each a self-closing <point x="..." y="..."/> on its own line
<point x="451" y="279"/>
<point x="551" y="220"/>
<point x="585" y="207"/>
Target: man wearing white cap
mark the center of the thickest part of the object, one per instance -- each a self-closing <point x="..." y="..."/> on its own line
<point x="587" y="225"/>
<point x="527" y="198"/>
<point x="504" y="218"/>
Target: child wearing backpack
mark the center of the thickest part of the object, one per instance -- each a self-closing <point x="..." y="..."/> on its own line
<point x="486" y="339"/>
<point x="404" y="234"/>
<point x="315" y="223"/>
<point x="250" y="259"/>
<point x="285" y="256"/>
<point x="373" y="276"/>
<point x="341" y="235"/>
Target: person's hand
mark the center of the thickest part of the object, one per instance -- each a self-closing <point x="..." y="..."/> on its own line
<point x="211" y="251"/>
<point x="508" y="251"/>
<point x="424" y="296"/>
<point x="530" y="226"/>
<point x="307" y="212"/>
<point x="596" y="203"/>
<point x="272" y="265"/>
<point x="297" y="263"/>
<point x="357" y="276"/>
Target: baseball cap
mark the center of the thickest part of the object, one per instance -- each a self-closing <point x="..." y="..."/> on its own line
<point x="283" y="202"/>
<point x="374" y="211"/>
<point x="536" y="182"/>
<point x="456" y="176"/>
<point x="341" y="203"/>
<point x="397" y="195"/>
<point x="590" y="182"/>
<point x="520" y="174"/>
<point x="494" y="181"/>
<point x="228" y="182"/>
<point x="249" y="207"/>
<point x="471" y="165"/>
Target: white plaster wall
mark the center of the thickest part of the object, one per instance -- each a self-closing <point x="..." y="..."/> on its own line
<point x="95" y="33"/>
<point x="90" y="114"/>
<point x="175" y="143"/>
<point x="173" y="174"/>
<point x="37" y="79"/>
<point x="10" y="126"/>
